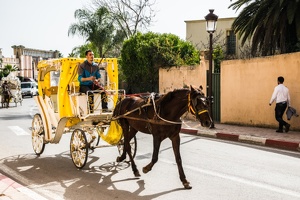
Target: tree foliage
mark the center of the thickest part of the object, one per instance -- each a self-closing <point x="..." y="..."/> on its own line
<point x="79" y="51"/>
<point x="5" y="71"/>
<point x="97" y="27"/>
<point x="218" y="56"/>
<point x="143" y="54"/>
<point x="130" y="16"/>
<point x="271" y="25"/>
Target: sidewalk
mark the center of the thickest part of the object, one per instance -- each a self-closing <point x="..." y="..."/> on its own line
<point x="9" y="189"/>
<point x="260" y="136"/>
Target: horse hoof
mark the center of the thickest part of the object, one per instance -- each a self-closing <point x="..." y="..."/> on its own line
<point x="145" y="170"/>
<point x="187" y="186"/>
<point x="118" y="159"/>
<point x="137" y="174"/>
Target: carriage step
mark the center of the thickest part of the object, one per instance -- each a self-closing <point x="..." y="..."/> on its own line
<point x="98" y="117"/>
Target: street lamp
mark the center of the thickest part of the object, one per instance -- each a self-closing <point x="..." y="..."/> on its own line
<point x="211" y="25"/>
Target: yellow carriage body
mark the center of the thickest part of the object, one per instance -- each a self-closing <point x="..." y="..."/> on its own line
<point x="60" y="103"/>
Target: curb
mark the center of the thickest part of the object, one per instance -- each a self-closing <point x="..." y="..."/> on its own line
<point x="292" y="146"/>
<point x="13" y="190"/>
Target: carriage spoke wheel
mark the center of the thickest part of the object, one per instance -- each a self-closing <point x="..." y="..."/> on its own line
<point x="79" y="148"/>
<point x="133" y="146"/>
<point x="37" y="134"/>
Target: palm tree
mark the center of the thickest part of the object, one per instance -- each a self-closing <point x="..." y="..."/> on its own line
<point x="5" y="71"/>
<point x="96" y="27"/>
<point x="79" y="51"/>
<point x="271" y="25"/>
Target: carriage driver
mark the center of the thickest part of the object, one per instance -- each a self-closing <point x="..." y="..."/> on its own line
<point x="89" y="76"/>
<point x="5" y="87"/>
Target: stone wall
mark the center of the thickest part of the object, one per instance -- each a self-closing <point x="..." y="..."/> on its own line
<point x="179" y="77"/>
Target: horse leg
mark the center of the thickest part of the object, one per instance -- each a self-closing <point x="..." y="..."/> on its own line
<point x="133" y="165"/>
<point x="176" y="148"/>
<point x="128" y="135"/>
<point x="6" y="100"/>
<point x="125" y="129"/>
<point x="156" y="146"/>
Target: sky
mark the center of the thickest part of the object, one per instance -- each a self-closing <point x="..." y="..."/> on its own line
<point x="44" y="24"/>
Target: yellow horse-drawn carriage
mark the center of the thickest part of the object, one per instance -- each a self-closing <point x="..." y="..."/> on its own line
<point x="63" y="109"/>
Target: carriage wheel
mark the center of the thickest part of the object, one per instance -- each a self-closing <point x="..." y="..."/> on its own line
<point x="37" y="134"/>
<point x="79" y="148"/>
<point x="133" y="145"/>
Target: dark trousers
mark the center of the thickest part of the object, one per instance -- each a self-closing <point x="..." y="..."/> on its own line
<point x="279" y="111"/>
<point x="85" y="89"/>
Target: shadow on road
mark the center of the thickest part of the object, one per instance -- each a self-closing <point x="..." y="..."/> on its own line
<point x="92" y="182"/>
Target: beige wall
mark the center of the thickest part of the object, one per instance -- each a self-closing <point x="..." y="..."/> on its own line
<point x="247" y="86"/>
<point x="178" y="77"/>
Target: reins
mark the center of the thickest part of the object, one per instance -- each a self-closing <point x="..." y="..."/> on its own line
<point x="151" y="98"/>
<point x="129" y="112"/>
<point x="171" y="122"/>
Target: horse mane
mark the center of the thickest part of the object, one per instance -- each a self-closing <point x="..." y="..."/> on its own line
<point x="166" y="98"/>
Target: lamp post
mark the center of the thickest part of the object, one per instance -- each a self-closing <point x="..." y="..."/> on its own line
<point x="211" y="25"/>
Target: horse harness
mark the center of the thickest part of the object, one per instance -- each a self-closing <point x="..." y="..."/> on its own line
<point x="192" y="110"/>
<point x="162" y="121"/>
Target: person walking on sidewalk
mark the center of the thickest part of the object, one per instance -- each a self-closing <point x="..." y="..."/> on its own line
<point x="282" y="97"/>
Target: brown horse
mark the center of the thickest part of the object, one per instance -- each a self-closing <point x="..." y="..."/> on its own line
<point x="160" y="116"/>
<point x="6" y="95"/>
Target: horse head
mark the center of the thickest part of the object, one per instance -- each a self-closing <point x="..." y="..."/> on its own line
<point x="199" y="106"/>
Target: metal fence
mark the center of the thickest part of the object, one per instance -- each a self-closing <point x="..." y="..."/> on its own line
<point x="216" y="94"/>
<point x="216" y="90"/>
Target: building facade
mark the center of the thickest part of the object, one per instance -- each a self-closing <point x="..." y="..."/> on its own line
<point x="26" y="60"/>
<point x="29" y="58"/>
<point x="13" y="61"/>
<point x="224" y="36"/>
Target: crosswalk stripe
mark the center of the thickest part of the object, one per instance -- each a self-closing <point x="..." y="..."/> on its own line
<point x="18" y="130"/>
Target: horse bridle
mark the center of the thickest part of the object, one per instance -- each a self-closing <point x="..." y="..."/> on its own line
<point x="192" y="108"/>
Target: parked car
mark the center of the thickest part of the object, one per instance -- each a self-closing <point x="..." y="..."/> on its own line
<point x="29" y="89"/>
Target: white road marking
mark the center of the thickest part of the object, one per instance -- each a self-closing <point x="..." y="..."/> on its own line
<point x="240" y="180"/>
<point x="18" y="130"/>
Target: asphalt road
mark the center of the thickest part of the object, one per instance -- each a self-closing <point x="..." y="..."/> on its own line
<point x="216" y="169"/>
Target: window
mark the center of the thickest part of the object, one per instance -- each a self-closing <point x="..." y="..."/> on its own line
<point x="54" y="77"/>
<point x="230" y="42"/>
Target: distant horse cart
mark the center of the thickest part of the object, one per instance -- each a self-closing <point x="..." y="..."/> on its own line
<point x="63" y="109"/>
<point x="10" y="89"/>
